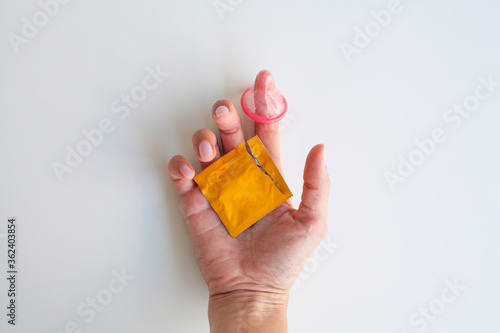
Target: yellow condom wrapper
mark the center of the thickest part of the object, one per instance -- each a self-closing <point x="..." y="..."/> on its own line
<point x="242" y="188"/>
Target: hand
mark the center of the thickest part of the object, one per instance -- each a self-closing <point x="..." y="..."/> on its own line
<point x="249" y="276"/>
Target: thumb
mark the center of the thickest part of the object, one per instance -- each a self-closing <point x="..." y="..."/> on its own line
<point x="314" y="205"/>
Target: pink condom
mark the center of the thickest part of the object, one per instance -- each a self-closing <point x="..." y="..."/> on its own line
<point x="263" y="103"/>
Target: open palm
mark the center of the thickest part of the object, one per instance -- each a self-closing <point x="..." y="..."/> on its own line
<point x="269" y="255"/>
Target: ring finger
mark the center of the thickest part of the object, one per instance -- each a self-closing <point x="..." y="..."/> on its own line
<point x="205" y="146"/>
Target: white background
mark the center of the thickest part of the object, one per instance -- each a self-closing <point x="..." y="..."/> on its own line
<point x="117" y="210"/>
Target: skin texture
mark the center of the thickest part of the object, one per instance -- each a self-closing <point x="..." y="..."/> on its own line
<point x="249" y="277"/>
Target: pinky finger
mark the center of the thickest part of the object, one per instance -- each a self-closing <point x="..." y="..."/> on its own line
<point x="181" y="173"/>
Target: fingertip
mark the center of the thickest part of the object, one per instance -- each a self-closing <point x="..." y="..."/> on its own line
<point x="264" y="72"/>
<point x="186" y="171"/>
<point x="206" y="151"/>
<point x="264" y="81"/>
<point x="181" y="173"/>
<point x="172" y="162"/>
<point x="179" y="168"/>
<point x="204" y="144"/>
<point x="319" y="152"/>
<point x="221" y="111"/>
<point x="315" y="172"/>
<point x="221" y="108"/>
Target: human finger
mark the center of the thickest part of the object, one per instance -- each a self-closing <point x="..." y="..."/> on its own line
<point x="313" y="207"/>
<point x="268" y="133"/>
<point x="181" y="173"/>
<point x="206" y="147"/>
<point x="229" y="123"/>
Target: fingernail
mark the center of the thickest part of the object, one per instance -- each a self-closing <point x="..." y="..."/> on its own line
<point x="186" y="171"/>
<point x="205" y="149"/>
<point x="221" y="110"/>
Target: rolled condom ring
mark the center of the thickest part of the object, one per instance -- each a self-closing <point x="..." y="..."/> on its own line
<point x="262" y="102"/>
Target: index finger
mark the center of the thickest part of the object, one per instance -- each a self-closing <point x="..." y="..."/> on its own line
<point x="268" y="133"/>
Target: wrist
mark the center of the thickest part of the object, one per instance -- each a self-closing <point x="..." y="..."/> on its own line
<point x="248" y="311"/>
